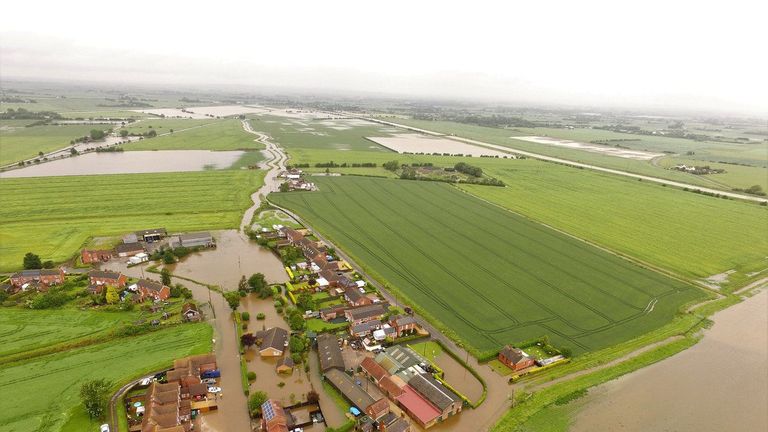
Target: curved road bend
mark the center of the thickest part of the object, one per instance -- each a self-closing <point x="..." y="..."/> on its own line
<point x="513" y="150"/>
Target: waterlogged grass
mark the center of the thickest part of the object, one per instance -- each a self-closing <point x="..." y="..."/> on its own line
<point x="346" y="135"/>
<point x="690" y="234"/>
<point x="212" y="135"/>
<point x="488" y="276"/>
<point x="18" y="143"/>
<point x="54" y="216"/>
<point x="45" y="389"/>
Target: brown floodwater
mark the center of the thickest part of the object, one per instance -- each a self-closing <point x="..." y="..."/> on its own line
<point x="720" y="384"/>
<point x="130" y="162"/>
<point x="459" y="377"/>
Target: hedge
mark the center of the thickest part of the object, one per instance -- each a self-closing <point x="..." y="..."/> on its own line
<point x="470" y="369"/>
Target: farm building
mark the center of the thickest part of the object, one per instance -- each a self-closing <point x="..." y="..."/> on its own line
<point x="151" y="289"/>
<point x="356" y="394"/>
<point x="367" y="313"/>
<point x="42" y="277"/>
<point x="437" y="394"/>
<point x="88" y="256"/>
<point x="373" y="370"/>
<point x="151" y="235"/>
<point x="329" y="353"/>
<point x="515" y="358"/>
<point x="129" y="249"/>
<point x="418" y="408"/>
<point x="398" y="358"/>
<point x="98" y="279"/>
<point x="273" y="342"/>
<point x="204" y="239"/>
<point x="273" y="417"/>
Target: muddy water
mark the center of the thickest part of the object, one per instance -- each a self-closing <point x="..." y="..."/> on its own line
<point x="129" y="163"/>
<point x="234" y="256"/>
<point x="719" y="384"/>
<point x="459" y="377"/>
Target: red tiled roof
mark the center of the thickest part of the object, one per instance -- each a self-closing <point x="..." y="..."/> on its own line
<point x="373" y="369"/>
<point x="417" y="405"/>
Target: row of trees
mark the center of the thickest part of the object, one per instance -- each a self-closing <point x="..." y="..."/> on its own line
<point x="32" y="261"/>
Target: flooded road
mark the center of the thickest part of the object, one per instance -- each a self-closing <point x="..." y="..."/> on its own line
<point x="719" y="384"/>
<point x="130" y="163"/>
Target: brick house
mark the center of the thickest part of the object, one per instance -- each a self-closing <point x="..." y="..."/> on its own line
<point x="151" y="289"/>
<point x="515" y="358"/>
<point x="93" y="256"/>
<point x="402" y="324"/>
<point x="44" y="277"/>
<point x="359" y="315"/>
<point x="98" y="279"/>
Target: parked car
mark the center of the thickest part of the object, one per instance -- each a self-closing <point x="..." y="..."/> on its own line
<point x="213" y="389"/>
<point x="209" y="381"/>
<point x="104" y="428"/>
<point x="211" y="374"/>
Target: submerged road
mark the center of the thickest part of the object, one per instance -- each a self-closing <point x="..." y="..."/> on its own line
<point x="539" y="156"/>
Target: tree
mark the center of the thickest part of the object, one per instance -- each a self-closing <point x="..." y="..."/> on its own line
<point x="123" y="133"/>
<point x="233" y="299"/>
<point x="248" y="340"/>
<point x="392" y="165"/>
<point x="112" y="295"/>
<point x="169" y="257"/>
<point x="32" y="261"/>
<point x="151" y="134"/>
<point x="73" y="151"/>
<point x="297" y="344"/>
<point x="313" y="397"/>
<point x="165" y="276"/>
<point x="48" y="264"/>
<point x="285" y="187"/>
<point x="255" y="402"/>
<point x="94" y="395"/>
<point x="257" y="282"/>
<point x="295" y="319"/>
<point x="305" y="302"/>
<point x="97" y="134"/>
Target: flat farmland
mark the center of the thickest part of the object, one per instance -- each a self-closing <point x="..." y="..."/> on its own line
<point x="490" y="276"/>
<point x="692" y="235"/>
<point x="54" y="216"/>
<point x="45" y="389"/>
<point x="18" y="142"/>
<point x="208" y="135"/>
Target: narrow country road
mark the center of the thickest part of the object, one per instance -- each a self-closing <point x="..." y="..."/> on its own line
<point x="513" y="150"/>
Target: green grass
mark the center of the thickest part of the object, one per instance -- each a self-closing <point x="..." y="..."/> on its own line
<point x="18" y="143"/>
<point x="489" y="276"/>
<point x="735" y="176"/>
<point x="162" y="126"/>
<point x="221" y="135"/>
<point x="317" y="325"/>
<point x="45" y="389"/>
<point x="690" y="234"/>
<point x="54" y="216"/>
<point x="429" y="349"/>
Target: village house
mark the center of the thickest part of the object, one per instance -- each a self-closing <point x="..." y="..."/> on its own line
<point x="402" y="324"/>
<point x="129" y="249"/>
<point x="515" y="359"/>
<point x="189" y="312"/>
<point x="273" y="417"/>
<point x="329" y="353"/>
<point x="437" y="394"/>
<point x="364" y="329"/>
<point x="333" y="312"/>
<point x="98" y="279"/>
<point x="273" y="342"/>
<point x="359" y="315"/>
<point x="151" y="289"/>
<point x="165" y="410"/>
<point x="43" y="278"/>
<point x="88" y="256"/>
<point x="292" y="235"/>
<point x="354" y="297"/>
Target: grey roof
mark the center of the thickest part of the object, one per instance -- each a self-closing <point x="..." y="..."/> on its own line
<point x="513" y="354"/>
<point x="397" y="358"/>
<point x="366" y="327"/>
<point x="398" y="425"/>
<point x="368" y="311"/>
<point x="329" y="353"/>
<point x="433" y="390"/>
<point x="104" y="274"/>
<point x="196" y="236"/>
<point x="37" y="273"/>
<point x="353" y="294"/>
<point x="128" y="247"/>
<point x="354" y="393"/>
<point x="150" y="285"/>
<point x="274" y="337"/>
<point x="404" y="320"/>
<point x="152" y="231"/>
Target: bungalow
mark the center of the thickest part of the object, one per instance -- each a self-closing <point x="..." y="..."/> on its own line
<point x="332" y="312"/>
<point x="273" y="342"/>
<point x="129" y="249"/>
<point x="189" y="312"/>
<point x="354" y="297"/>
<point x="515" y="359"/>
<point x="98" y="279"/>
<point x="437" y="394"/>
<point x="97" y="255"/>
<point x="359" y="315"/>
<point x="364" y="329"/>
<point x="329" y="353"/>
<point x="151" y="235"/>
<point x="273" y="417"/>
<point x="151" y="289"/>
<point x="204" y="239"/>
<point x="402" y="324"/>
<point x="285" y="365"/>
<point x="43" y="277"/>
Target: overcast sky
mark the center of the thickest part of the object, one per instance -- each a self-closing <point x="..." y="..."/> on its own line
<point x="667" y="54"/>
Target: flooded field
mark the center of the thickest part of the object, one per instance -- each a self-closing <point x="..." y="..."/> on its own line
<point x="594" y="148"/>
<point x="719" y="384"/>
<point x="130" y="163"/>
<point x="416" y="143"/>
<point x="204" y="112"/>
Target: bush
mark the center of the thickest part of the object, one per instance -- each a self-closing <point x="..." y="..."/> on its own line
<point x="245" y="316"/>
<point x="251" y="376"/>
<point x="260" y="316"/>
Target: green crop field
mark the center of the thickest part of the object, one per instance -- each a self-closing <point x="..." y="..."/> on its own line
<point x="18" y="142"/>
<point x="753" y="154"/>
<point x="54" y="216"/>
<point x="45" y="389"/>
<point x="490" y="276"/>
<point x="162" y="126"/>
<point x="220" y="135"/>
<point x="693" y="235"/>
